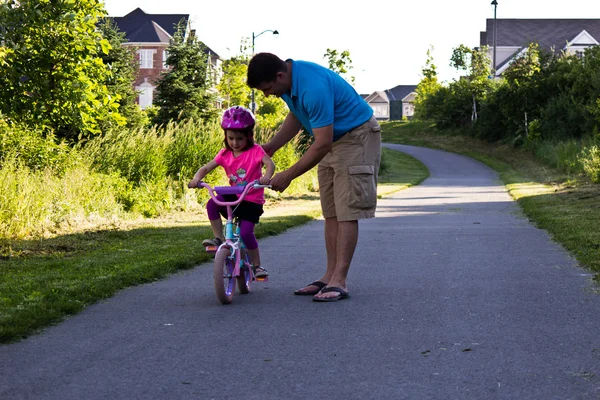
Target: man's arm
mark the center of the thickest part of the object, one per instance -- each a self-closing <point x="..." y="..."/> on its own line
<point x="290" y="128"/>
<point x="315" y="153"/>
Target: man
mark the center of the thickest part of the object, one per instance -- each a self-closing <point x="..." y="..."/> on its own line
<point x="346" y="146"/>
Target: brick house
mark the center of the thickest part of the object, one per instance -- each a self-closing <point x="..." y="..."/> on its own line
<point x="150" y="35"/>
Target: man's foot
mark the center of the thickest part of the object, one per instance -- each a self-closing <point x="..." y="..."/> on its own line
<point x="331" y="293"/>
<point x="311" y="289"/>
<point x="260" y="272"/>
<point x="212" y="242"/>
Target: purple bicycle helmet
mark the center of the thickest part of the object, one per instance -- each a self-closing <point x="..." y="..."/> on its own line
<point x="237" y="117"/>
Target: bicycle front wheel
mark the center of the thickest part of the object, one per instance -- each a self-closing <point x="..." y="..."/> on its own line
<point x="245" y="279"/>
<point x="223" y="276"/>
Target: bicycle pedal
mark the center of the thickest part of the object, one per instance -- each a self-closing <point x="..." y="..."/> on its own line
<point x="262" y="279"/>
<point x="211" y="249"/>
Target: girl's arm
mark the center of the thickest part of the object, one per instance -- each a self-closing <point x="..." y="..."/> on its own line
<point x="201" y="173"/>
<point x="267" y="162"/>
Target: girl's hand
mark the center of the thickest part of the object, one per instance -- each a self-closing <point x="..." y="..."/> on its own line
<point x="264" y="180"/>
<point x="193" y="183"/>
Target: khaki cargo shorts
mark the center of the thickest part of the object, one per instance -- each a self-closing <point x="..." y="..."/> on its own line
<point x="348" y="174"/>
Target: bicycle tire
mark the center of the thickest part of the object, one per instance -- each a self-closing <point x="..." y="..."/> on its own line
<point x="223" y="276"/>
<point x="244" y="281"/>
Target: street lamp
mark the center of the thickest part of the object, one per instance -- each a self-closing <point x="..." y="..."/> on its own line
<point x="495" y="4"/>
<point x="276" y="35"/>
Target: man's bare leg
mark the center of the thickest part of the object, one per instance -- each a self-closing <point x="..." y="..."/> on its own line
<point x="347" y="238"/>
<point x="331" y="233"/>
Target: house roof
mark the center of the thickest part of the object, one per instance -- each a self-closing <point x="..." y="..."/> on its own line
<point x="377" y="97"/>
<point x="399" y="92"/>
<point x="548" y="33"/>
<point x="140" y="27"/>
<point x="148" y="28"/>
<point x="150" y="31"/>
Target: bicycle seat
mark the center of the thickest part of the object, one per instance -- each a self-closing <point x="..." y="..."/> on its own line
<point x="229" y="189"/>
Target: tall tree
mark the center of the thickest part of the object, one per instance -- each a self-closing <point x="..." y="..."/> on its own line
<point x="427" y="87"/>
<point x="270" y="112"/>
<point x="232" y="87"/>
<point x="477" y="64"/>
<point x="341" y="63"/>
<point x="53" y="75"/>
<point x="182" y="91"/>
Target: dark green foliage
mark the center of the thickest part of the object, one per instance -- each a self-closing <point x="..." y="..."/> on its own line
<point x="51" y="73"/>
<point x="540" y="96"/>
<point x="182" y="91"/>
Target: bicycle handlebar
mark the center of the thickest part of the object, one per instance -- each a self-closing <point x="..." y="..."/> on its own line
<point x="241" y="190"/>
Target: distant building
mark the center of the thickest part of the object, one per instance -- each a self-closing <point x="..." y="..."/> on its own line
<point x="151" y="34"/>
<point x="571" y="36"/>
<point x="393" y="104"/>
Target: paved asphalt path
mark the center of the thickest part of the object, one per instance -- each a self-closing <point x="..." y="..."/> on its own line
<point x="454" y="295"/>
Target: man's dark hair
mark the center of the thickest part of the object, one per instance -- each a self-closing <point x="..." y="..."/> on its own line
<point x="264" y="67"/>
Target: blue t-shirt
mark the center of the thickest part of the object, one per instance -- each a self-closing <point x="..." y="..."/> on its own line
<point x="320" y="97"/>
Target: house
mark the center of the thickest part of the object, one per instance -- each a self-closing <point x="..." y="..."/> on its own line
<point x="393" y="104"/>
<point x="571" y="36"/>
<point x="150" y="34"/>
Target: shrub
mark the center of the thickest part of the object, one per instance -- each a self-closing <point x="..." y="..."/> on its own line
<point x="191" y="144"/>
<point x="590" y="160"/>
<point x="33" y="149"/>
<point x="137" y="156"/>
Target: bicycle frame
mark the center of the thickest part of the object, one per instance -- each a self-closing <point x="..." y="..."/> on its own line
<point x="233" y="240"/>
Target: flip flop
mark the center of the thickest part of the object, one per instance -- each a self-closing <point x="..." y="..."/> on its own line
<point x="342" y="292"/>
<point x="318" y="284"/>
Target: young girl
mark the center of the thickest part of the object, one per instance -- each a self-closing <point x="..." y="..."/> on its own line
<point x="242" y="161"/>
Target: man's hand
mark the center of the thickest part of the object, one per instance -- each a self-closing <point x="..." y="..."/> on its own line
<point x="281" y="181"/>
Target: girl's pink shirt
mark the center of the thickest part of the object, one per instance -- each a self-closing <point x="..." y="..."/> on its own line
<point x="247" y="167"/>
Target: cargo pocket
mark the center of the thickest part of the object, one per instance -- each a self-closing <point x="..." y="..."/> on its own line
<point x="374" y="125"/>
<point x="363" y="192"/>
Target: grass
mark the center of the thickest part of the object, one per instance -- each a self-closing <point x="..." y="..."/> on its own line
<point x="566" y="206"/>
<point x="43" y="281"/>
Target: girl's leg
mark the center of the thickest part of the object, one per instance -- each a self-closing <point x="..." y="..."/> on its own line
<point x="247" y="234"/>
<point x="214" y="215"/>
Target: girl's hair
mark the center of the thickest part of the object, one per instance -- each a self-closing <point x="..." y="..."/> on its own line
<point x="247" y="132"/>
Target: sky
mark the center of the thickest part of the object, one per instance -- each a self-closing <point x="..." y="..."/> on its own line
<point x="388" y="43"/>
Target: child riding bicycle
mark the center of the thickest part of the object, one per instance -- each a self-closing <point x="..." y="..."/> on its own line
<point x="243" y="162"/>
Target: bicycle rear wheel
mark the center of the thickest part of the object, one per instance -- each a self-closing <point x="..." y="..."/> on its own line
<point x="245" y="279"/>
<point x="223" y="276"/>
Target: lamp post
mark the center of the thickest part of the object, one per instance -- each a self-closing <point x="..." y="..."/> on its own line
<point x="495" y="4"/>
<point x="276" y="34"/>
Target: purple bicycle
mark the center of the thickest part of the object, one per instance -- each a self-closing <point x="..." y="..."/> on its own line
<point x="232" y="263"/>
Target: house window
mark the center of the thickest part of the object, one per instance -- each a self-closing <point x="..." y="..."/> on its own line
<point x="165" y="55"/>
<point x="580" y="54"/>
<point x="380" y="111"/>
<point x="146" y="58"/>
